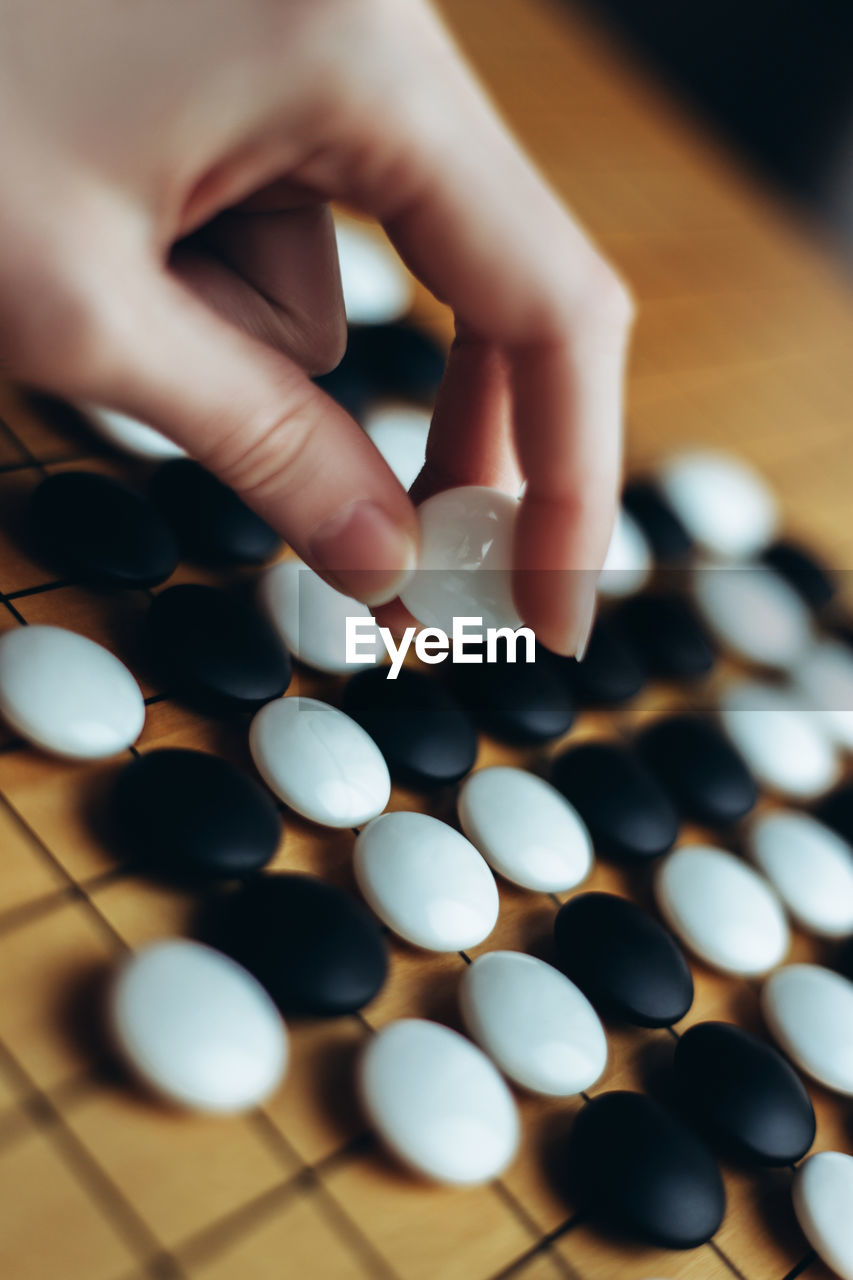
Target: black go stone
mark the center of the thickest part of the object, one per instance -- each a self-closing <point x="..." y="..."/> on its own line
<point x="667" y="634"/>
<point x="638" y="1170"/>
<point x="612" y="672"/>
<point x="744" y="1094"/>
<point x="668" y="537"/>
<point x="428" y="740"/>
<point x="101" y="531"/>
<point x="629" y="815"/>
<point x="803" y="571"/>
<point x="216" y="651"/>
<point x="519" y="702"/>
<point x="187" y="815"/>
<point x="623" y="960"/>
<point x="836" y="811"/>
<point x="699" y="768"/>
<point x="398" y="360"/>
<point x="348" y="385"/>
<point x="317" y="949"/>
<point x="385" y="360"/>
<point x="213" y="524"/>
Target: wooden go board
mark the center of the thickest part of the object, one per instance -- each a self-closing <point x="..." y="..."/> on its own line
<point x="743" y="340"/>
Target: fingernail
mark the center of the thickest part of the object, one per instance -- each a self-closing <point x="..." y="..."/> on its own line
<point x="364" y="553"/>
<point x="583" y="635"/>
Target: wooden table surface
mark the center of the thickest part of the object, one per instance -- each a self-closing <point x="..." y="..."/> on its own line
<point x="745" y="328"/>
<point x="743" y="340"/>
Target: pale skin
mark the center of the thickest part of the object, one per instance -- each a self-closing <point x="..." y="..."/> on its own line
<point x="166" y="249"/>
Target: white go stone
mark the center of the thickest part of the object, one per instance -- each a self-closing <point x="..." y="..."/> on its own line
<point x="534" y="1023"/>
<point x="400" y="433"/>
<point x="809" y="866"/>
<point x="438" y="1103"/>
<point x="310" y="616"/>
<point x="754" y="612"/>
<point x="722" y="909"/>
<point x="197" y="1028"/>
<point x="319" y="762"/>
<point x="628" y="563"/>
<point x="426" y="881"/>
<point x="131" y="436"/>
<point x="465" y="562"/>
<point x="784" y="745"/>
<point x="376" y="286"/>
<point x="525" y="829"/>
<point x="823" y="1202"/>
<point x="723" y="503"/>
<point x="809" y="1013"/>
<point x="67" y="694"/>
<point x="823" y="680"/>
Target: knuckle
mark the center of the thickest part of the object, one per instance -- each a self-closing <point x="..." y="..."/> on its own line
<point x="608" y="295"/>
<point x="265" y="458"/>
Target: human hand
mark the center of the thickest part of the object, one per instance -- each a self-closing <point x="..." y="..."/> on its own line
<point x="166" y="249"/>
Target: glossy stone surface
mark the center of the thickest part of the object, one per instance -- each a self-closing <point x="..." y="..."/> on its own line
<point x="823" y="684"/>
<point x="612" y="671"/>
<point x="809" y="1013"/>
<point x="722" y="909"/>
<point x="533" y="1023"/>
<point x="215" y="650"/>
<point x="316" y="949"/>
<point x="628" y="563"/>
<point x="426" y="737"/>
<point x="309" y="615"/>
<point x="400" y="433"/>
<point x="102" y="531"/>
<point x="744" y="1093"/>
<point x="664" y="531"/>
<point x="752" y="611"/>
<point x="723" y="503"/>
<point x="213" y="525"/>
<point x="129" y="435"/>
<point x="319" y="762"/>
<point x="628" y="965"/>
<point x="438" y="1103"/>
<point x="782" y="743"/>
<point x="465" y="559"/>
<point x="700" y="769"/>
<point x="823" y="1203"/>
<point x="803" y="571"/>
<point x="836" y="811"/>
<point x="196" y="1028"/>
<point x="520" y="702"/>
<point x="639" y="1171"/>
<point x="809" y="866"/>
<point x="525" y="829"/>
<point x="668" y="636"/>
<point x="66" y="694"/>
<point x="426" y="881"/>
<point x="190" y="815"/>
<point x="399" y="361"/>
<point x="376" y="286"/>
<point x="627" y="812"/>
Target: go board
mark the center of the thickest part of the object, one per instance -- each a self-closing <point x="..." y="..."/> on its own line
<point x="743" y="342"/>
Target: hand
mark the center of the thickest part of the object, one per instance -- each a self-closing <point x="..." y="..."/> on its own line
<point x="166" y="249"/>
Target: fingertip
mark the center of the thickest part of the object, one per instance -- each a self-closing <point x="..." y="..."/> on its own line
<point x="365" y="551"/>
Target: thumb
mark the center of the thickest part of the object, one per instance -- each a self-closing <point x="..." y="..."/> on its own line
<point x="253" y="418"/>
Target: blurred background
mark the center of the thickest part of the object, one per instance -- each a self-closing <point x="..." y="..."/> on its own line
<point x="773" y="77"/>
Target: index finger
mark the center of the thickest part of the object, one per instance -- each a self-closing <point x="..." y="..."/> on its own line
<point x="478" y="225"/>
